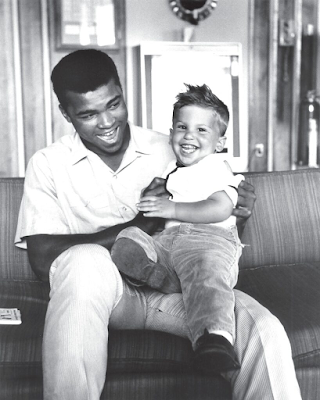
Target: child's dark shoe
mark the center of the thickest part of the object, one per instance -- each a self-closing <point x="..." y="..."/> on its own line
<point x="215" y="354"/>
<point x="131" y="259"/>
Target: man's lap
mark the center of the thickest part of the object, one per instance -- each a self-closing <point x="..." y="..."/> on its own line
<point x="145" y="308"/>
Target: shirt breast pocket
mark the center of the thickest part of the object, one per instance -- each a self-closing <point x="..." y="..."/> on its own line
<point x="100" y="202"/>
<point x="96" y="204"/>
<point x="92" y="214"/>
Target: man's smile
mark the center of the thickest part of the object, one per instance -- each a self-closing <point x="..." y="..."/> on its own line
<point x="109" y="136"/>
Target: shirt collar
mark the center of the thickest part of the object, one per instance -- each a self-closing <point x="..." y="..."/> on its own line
<point x="140" y="141"/>
<point x="79" y="150"/>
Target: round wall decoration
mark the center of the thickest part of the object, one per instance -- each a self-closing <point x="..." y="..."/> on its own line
<point x="193" y="11"/>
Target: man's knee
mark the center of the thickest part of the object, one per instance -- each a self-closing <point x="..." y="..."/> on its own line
<point x="86" y="269"/>
<point x="257" y="320"/>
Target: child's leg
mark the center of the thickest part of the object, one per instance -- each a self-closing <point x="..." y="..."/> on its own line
<point x="139" y="256"/>
<point x="206" y="261"/>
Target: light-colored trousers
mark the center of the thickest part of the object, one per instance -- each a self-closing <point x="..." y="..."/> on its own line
<point x="88" y="296"/>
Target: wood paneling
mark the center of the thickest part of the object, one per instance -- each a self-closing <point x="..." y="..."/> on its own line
<point x="25" y="68"/>
<point x="32" y="76"/>
<point x="8" y="134"/>
<point x="282" y="129"/>
<point x="258" y="82"/>
<point x="279" y="73"/>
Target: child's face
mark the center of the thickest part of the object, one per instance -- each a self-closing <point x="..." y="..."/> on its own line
<point x="195" y="134"/>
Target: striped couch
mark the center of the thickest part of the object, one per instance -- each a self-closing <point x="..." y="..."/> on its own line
<point x="280" y="268"/>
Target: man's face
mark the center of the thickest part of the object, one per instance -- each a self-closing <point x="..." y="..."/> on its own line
<point x="100" y="117"/>
<point x="195" y="134"/>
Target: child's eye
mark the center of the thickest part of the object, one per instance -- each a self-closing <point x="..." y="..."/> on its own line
<point x="180" y="126"/>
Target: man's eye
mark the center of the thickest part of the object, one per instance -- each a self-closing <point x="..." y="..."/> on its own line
<point x="87" y="116"/>
<point x="114" y="105"/>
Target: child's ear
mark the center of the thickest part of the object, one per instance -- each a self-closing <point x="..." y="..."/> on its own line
<point x="170" y="137"/>
<point x="221" y="143"/>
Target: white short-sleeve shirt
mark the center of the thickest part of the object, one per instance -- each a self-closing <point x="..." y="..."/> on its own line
<point x="198" y="181"/>
<point x="69" y="189"/>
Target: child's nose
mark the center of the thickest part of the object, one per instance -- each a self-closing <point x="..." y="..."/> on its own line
<point x="188" y="134"/>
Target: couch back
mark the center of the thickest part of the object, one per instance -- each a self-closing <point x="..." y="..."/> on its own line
<point x="283" y="229"/>
<point x="13" y="261"/>
<point x="285" y="225"/>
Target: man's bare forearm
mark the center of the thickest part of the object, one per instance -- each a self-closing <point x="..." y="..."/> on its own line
<point x="44" y="249"/>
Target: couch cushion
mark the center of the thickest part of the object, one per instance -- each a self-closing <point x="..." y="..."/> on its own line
<point x="131" y="350"/>
<point x="22" y="343"/>
<point x="291" y="293"/>
<point x="284" y="226"/>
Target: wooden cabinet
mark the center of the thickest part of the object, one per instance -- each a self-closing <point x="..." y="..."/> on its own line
<point x="283" y="69"/>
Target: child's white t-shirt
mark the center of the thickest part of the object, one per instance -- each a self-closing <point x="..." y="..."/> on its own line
<point x="198" y="181"/>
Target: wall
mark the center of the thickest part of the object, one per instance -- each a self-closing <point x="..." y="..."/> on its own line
<point x="153" y="20"/>
<point x="30" y="116"/>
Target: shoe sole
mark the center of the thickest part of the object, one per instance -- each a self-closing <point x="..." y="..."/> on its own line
<point x="134" y="263"/>
<point x="214" y="361"/>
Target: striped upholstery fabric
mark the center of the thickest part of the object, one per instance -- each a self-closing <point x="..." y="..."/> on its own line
<point x="280" y="268"/>
<point x="284" y="227"/>
<point x="291" y="292"/>
<point x="13" y="261"/>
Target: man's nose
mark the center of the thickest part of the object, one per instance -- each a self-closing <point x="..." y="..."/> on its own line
<point x="106" y="120"/>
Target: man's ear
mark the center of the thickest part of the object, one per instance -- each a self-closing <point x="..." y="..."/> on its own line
<point x="63" y="112"/>
<point x="221" y="143"/>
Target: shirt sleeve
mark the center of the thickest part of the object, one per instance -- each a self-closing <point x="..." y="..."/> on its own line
<point x="40" y="210"/>
<point x="227" y="181"/>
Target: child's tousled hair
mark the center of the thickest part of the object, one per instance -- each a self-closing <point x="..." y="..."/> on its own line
<point x="202" y="96"/>
<point x="82" y="71"/>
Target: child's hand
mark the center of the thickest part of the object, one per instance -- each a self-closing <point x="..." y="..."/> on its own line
<point x="152" y="206"/>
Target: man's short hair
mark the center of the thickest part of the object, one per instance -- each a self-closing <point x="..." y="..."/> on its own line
<point x="83" y="71"/>
<point x="202" y="96"/>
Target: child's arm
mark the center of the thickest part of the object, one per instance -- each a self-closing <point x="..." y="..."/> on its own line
<point x="216" y="208"/>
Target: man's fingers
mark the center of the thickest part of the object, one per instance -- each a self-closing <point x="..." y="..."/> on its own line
<point x="241" y="212"/>
<point x="245" y="185"/>
<point x="156" y="188"/>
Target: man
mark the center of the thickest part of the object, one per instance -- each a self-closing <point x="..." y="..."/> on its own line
<point x="79" y="194"/>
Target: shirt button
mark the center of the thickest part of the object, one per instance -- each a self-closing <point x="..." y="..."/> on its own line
<point x="124" y="208"/>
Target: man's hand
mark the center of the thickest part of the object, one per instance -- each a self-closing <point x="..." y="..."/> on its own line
<point x="246" y="200"/>
<point x="156" y="188"/>
<point x="153" y="206"/>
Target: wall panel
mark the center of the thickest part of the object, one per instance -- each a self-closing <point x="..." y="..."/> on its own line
<point x="30" y="116"/>
<point x="32" y="76"/>
<point x="8" y="134"/>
